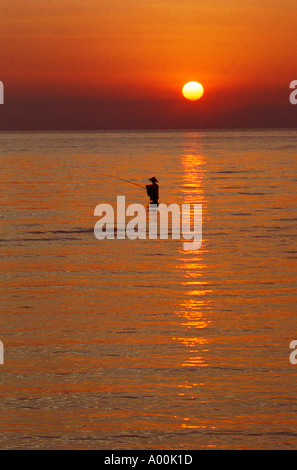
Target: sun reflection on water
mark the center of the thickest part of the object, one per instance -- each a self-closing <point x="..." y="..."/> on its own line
<point x="194" y="321"/>
<point x="194" y="310"/>
<point x="195" y="304"/>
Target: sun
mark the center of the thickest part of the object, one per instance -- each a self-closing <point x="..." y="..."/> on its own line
<point x="193" y="91"/>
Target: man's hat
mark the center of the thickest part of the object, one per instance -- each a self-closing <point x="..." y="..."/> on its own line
<point x="153" y="180"/>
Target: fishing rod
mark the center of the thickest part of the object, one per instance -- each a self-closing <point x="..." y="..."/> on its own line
<point x="122" y="179"/>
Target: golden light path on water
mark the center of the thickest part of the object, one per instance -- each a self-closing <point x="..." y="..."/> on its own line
<point x="194" y="305"/>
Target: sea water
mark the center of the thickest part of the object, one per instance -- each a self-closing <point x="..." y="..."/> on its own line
<point x="138" y="344"/>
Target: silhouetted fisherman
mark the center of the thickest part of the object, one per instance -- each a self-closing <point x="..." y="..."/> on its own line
<point x="153" y="191"/>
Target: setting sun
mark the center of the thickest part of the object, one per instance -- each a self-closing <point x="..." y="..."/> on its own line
<point x="193" y="91"/>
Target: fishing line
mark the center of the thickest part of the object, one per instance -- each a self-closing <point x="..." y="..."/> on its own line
<point x="122" y="179"/>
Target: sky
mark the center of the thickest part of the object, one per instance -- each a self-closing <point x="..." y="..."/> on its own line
<point x="122" y="63"/>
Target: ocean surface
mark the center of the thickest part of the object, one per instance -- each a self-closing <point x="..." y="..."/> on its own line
<point x="139" y="344"/>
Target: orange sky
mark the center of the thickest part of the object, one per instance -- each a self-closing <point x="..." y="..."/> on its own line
<point x="147" y="48"/>
<point x="242" y="51"/>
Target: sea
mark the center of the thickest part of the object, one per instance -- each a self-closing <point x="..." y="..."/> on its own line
<point x="121" y="344"/>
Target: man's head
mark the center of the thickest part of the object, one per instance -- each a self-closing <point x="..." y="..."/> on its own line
<point x="153" y="180"/>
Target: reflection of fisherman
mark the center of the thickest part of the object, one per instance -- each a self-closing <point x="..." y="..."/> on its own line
<point x="153" y="191"/>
